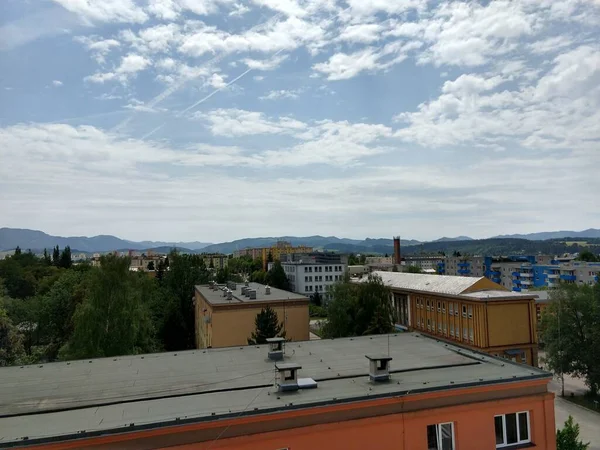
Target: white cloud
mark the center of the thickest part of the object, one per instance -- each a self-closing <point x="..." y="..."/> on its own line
<point x="164" y="9"/>
<point x="98" y="47"/>
<point x="550" y="44"/>
<point x="265" y="64"/>
<point x="282" y="93"/>
<point x="105" y="10"/>
<point x="342" y="66"/>
<point x="217" y="81"/>
<point x="130" y="65"/>
<point x="364" y="32"/>
<point x="258" y="78"/>
<point x="237" y="122"/>
<point x="57" y="83"/>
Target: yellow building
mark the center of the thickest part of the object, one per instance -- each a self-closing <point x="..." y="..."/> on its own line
<point x="280" y="248"/>
<point x="475" y="312"/>
<point x="214" y="260"/>
<point x="225" y="314"/>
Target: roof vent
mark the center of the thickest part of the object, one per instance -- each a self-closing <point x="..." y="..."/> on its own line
<point x="287" y="376"/>
<point x="379" y="367"/>
<point x="267" y="290"/>
<point x="275" y="348"/>
<point x="229" y="295"/>
<point x="244" y="288"/>
<point x="246" y="283"/>
<point x="252" y="294"/>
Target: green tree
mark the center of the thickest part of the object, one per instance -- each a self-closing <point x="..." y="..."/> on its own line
<point x="270" y="257"/>
<point x="185" y="271"/>
<point x="568" y="437"/>
<point x="266" y="326"/>
<point x="222" y="275"/>
<point x="65" y="258"/>
<point x="150" y="266"/>
<point x="160" y="271"/>
<point x="571" y="334"/>
<point x="588" y="256"/>
<point x="56" y="256"/>
<point x="11" y="341"/>
<point x="316" y="299"/>
<point x="276" y="277"/>
<point x="413" y="269"/>
<point x="357" y="309"/>
<point x="259" y="276"/>
<point x="17" y="251"/>
<point x="113" y="319"/>
<point x="47" y="259"/>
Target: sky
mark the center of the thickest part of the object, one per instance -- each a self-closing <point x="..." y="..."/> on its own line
<point x="215" y="120"/>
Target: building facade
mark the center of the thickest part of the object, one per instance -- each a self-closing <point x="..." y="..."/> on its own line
<point x="419" y="394"/>
<point x="215" y="260"/>
<point x="314" y="272"/>
<point x="474" y="312"/>
<point x="275" y="251"/>
<point x="225" y="314"/>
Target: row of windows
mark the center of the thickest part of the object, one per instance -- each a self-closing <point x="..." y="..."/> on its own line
<point x="441" y="307"/>
<point x="320" y="278"/>
<point x="442" y="328"/>
<point x="316" y="288"/>
<point x="327" y="268"/>
<point x="510" y="429"/>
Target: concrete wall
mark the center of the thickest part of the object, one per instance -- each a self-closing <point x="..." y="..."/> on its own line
<point x="508" y="324"/>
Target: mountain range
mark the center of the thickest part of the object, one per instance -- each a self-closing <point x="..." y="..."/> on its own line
<point x="35" y="240"/>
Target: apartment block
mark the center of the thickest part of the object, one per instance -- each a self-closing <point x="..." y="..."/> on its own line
<point x="280" y="248"/>
<point x="215" y="260"/>
<point x="225" y="314"/>
<point x="404" y="391"/>
<point x="471" y="311"/>
<point x="314" y="272"/>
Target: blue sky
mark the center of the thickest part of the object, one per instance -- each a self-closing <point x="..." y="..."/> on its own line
<point x="219" y="119"/>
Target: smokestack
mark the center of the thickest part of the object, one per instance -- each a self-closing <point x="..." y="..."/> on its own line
<point x="397" y="256"/>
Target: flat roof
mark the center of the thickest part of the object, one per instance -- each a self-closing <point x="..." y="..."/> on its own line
<point x="439" y="284"/>
<point x="500" y="295"/>
<point x="101" y="396"/>
<point x="216" y="297"/>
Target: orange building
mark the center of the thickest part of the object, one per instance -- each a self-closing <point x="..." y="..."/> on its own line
<point x="225" y="314"/>
<point x="410" y="393"/>
<point x="276" y="250"/>
<point x="474" y="312"/>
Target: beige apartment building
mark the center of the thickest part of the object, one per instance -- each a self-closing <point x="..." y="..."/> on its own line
<point x="225" y="314"/>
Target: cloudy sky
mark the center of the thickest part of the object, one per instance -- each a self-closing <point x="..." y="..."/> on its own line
<point x="219" y="119"/>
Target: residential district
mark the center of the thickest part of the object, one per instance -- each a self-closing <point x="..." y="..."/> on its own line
<point x="460" y="368"/>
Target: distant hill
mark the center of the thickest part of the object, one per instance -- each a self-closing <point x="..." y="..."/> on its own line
<point x="10" y="238"/>
<point x="542" y="236"/>
<point x="324" y="242"/>
<point x="453" y="239"/>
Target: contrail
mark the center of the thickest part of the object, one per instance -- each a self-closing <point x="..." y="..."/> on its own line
<point x="180" y="82"/>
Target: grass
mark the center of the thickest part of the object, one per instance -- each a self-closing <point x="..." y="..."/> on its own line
<point x="587" y="401"/>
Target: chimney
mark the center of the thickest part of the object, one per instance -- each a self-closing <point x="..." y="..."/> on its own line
<point x="275" y="348"/>
<point x="287" y="376"/>
<point x="229" y="295"/>
<point x="252" y="294"/>
<point x="397" y="255"/>
<point x="379" y="368"/>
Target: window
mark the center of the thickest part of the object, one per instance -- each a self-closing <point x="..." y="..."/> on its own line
<point x="456" y="309"/>
<point x="451" y="310"/>
<point x="429" y="324"/>
<point x="433" y="325"/>
<point x="451" y="331"/>
<point x="440" y="327"/>
<point x="439" y="306"/>
<point x="305" y="288"/>
<point x="305" y="278"/>
<point x="427" y="305"/>
<point x="445" y="329"/>
<point x="512" y="429"/>
<point x="470" y="312"/>
<point x="471" y="334"/>
<point x="306" y="269"/>
<point x="465" y="333"/>
<point x="422" y="323"/>
<point x="523" y="358"/>
<point x="440" y="436"/>
<point x="464" y="308"/>
<point x="444" y="308"/>
<point x="457" y="331"/>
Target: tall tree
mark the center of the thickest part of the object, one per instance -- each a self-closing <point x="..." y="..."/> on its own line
<point x="150" y="266"/>
<point x="160" y="271"/>
<point x="568" y="437"/>
<point x="359" y="308"/>
<point x="276" y="277"/>
<point x="413" y="269"/>
<point x="185" y="271"/>
<point x="11" y="341"/>
<point x="270" y="257"/>
<point x="47" y="259"/>
<point x="588" y="256"/>
<point x="571" y="333"/>
<point x="56" y="256"/>
<point x="316" y="299"/>
<point x="17" y="251"/>
<point x="113" y="319"/>
<point x="65" y="258"/>
<point x="266" y="326"/>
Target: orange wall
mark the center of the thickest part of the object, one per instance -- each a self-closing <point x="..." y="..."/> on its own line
<point x="473" y="430"/>
<point x="509" y="324"/>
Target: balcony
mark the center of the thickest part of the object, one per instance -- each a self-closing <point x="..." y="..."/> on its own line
<point x="553" y="276"/>
<point x="495" y="273"/>
<point x="568" y="277"/>
<point x="516" y="274"/>
<point x="526" y="283"/>
<point x="464" y="264"/>
<point x="464" y="271"/>
<point x="496" y="279"/>
<point x="526" y="275"/>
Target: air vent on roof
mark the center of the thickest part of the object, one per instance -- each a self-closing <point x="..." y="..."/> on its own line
<point x="267" y="290"/>
<point x="252" y="294"/>
<point x="287" y="376"/>
<point x="229" y="294"/>
<point x="379" y="367"/>
<point x="244" y="288"/>
<point x="275" y="348"/>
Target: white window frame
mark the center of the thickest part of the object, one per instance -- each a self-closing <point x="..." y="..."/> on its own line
<point x="519" y="441"/>
<point x="451" y="307"/>
<point x="438" y="433"/>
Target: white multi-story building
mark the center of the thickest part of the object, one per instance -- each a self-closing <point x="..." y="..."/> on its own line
<point x="314" y="272"/>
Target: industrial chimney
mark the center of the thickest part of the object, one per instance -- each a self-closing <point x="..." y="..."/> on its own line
<point x="397" y="256"/>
